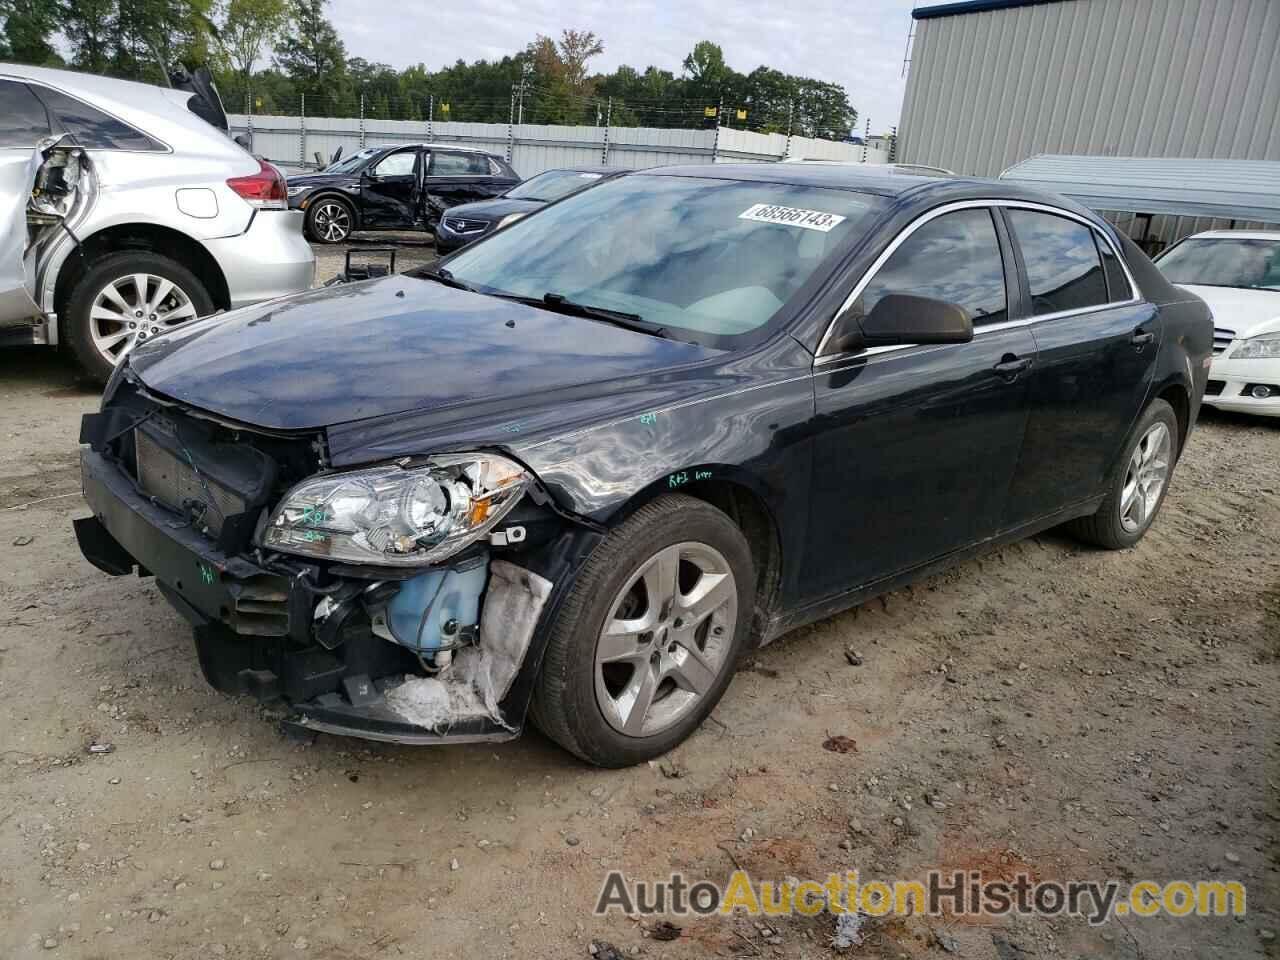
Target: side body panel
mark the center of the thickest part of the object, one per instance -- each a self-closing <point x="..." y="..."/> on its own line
<point x="913" y="455"/>
<point x="1089" y="384"/>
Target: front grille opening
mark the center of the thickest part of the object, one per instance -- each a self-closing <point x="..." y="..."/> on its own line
<point x="209" y="472"/>
<point x="182" y="486"/>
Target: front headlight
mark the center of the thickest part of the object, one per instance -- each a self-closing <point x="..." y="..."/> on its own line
<point x="295" y="191"/>
<point x="1265" y="347"/>
<point x="403" y="516"/>
<point x="509" y="218"/>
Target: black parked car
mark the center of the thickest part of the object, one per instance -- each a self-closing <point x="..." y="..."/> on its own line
<point x="470" y="221"/>
<point x="586" y="466"/>
<point x="395" y="188"/>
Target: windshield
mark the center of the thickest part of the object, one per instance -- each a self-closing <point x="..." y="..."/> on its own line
<point x="704" y="259"/>
<point x="349" y="164"/>
<point x="1210" y="262"/>
<point x="553" y="185"/>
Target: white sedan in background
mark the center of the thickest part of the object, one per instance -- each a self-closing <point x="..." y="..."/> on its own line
<point x="1236" y="272"/>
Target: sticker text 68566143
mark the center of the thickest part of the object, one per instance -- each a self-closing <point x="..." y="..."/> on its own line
<point x="792" y="217"/>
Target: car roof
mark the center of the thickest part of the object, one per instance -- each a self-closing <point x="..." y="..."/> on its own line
<point x="1236" y="235"/>
<point x="159" y="112"/>
<point x="870" y="178"/>
<point x="434" y="145"/>
<point x="603" y="171"/>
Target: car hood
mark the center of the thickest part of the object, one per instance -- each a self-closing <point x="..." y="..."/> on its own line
<point x="387" y="346"/>
<point x="1246" y="313"/>
<point x="494" y="209"/>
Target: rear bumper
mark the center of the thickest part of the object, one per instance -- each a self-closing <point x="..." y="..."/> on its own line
<point x="270" y="259"/>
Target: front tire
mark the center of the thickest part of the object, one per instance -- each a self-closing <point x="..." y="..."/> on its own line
<point x="125" y="299"/>
<point x="1138" y="483"/>
<point x="650" y="635"/>
<point x="329" y="220"/>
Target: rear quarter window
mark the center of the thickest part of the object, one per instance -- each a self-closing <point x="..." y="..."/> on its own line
<point x="91" y="128"/>
<point x="23" y="118"/>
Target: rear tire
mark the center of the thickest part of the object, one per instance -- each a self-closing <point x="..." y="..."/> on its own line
<point x="677" y="655"/>
<point x="98" y="342"/>
<point x="1133" y="498"/>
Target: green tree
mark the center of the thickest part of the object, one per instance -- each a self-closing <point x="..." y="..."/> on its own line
<point x="28" y="27"/>
<point x="244" y="29"/>
<point x="310" y="52"/>
<point x="89" y="26"/>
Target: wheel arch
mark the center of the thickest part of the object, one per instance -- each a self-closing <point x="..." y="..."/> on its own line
<point x="736" y="494"/>
<point x="1175" y="393"/>
<point x="151" y="237"/>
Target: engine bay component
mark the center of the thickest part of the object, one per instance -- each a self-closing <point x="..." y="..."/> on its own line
<point x="435" y="611"/>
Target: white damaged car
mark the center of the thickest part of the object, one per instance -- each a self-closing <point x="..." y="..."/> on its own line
<point x="128" y="211"/>
<point x="1236" y="272"/>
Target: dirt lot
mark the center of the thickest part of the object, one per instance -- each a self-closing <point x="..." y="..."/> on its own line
<point x="1073" y="713"/>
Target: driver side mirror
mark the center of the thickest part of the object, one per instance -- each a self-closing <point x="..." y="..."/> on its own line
<point x="903" y="318"/>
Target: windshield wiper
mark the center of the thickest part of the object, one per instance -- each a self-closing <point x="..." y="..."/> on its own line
<point x="562" y="304"/>
<point x="443" y="275"/>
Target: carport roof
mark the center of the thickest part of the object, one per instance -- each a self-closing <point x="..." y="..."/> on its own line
<point x="1230" y="189"/>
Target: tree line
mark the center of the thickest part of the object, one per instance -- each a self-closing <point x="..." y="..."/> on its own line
<point x="285" y="56"/>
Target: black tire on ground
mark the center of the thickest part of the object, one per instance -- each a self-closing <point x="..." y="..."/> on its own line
<point x="1104" y="528"/>
<point x="565" y="707"/>
<point x="309" y="222"/>
<point x="76" y="322"/>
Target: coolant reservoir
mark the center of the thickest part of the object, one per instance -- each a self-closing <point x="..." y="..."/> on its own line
<point x="434" y="610"/>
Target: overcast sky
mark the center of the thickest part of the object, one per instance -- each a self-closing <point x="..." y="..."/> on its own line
<point x="856" y="44"/>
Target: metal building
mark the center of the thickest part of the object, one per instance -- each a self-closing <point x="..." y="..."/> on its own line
<point x="995" y="82"/>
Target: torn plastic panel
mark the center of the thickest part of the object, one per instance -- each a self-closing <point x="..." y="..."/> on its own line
<point x="476" y="682"/>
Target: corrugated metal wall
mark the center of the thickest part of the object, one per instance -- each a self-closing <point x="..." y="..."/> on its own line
<point x="285" y="140"/>
<point x="1162" y="78"/>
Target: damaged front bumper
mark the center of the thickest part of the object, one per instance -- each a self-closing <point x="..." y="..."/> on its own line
<point x="316" y="636"/>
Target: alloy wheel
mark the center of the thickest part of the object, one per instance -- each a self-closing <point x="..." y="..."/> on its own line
<point x="134" y="308"/>
<point x="666" y="640"/>
<point x="1145" y="477"/>
<point x="331" y="221"/>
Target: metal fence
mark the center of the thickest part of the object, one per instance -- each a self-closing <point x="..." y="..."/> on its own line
<point x="531" y="148"/>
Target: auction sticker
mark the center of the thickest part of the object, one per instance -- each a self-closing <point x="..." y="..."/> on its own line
<point x="791" y="217"/>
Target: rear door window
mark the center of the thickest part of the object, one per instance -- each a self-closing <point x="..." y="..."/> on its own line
<point x="23" y="118"/>
<point x="459" y="164"/>
<point x="1064" y="271"/>
<point x="91" y="128"/>
<point x="954" y="257"/>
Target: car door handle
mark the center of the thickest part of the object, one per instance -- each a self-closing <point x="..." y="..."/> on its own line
<point x="1010" y="366"/>
<point x="1141" y="338"/>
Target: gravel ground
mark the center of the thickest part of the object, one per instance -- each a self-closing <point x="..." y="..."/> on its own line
<point x="412" y="250"/>
<point x="1047" y="707"/>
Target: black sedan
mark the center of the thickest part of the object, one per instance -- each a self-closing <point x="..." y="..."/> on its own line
<point x="471" y="221"/>
<point x="582" y="469"/>
<point x="401" y="187"/>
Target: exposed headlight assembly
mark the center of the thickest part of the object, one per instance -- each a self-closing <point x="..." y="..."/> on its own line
<point x="1264" y="347"/>
<point x="509" y="218"/>
<point x="401" y="516"/>
<point x="294" y="191"/>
